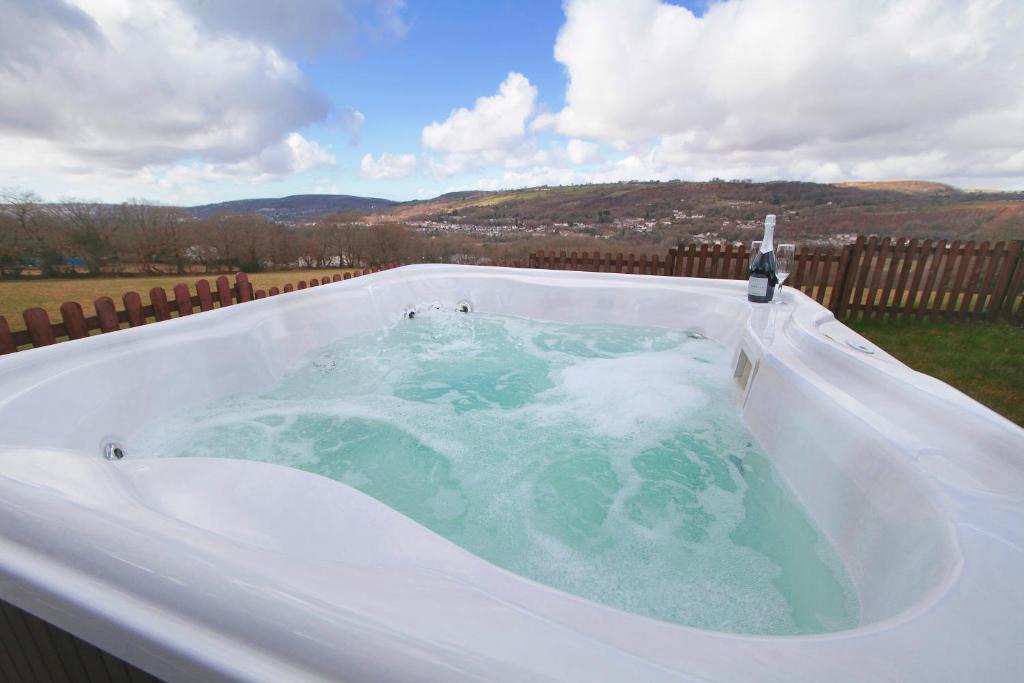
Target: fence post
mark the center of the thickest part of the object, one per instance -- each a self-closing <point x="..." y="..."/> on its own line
<point x="107" y="314"/>
<point x="74" y="320"/>
<point x="742" y="271"/>
<point x="670" y="261"/>
<point x="224" y="291"/>
<point x="158" y="297"/>
<point x="1002" y="298"/>
<point x="844" y="283"/>
<point x="6" y="338"/>
<point x="133" y="307"/>
<point x="243" y="288"/>
<point x="1017" y="283"/>
<point x="205" y="295"/>
<point x="37" y="322"/>
<point x="183" y="297"/>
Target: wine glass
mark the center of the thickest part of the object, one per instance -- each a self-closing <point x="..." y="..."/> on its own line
<point x="784" y="255"/>
<point x="755" y="247"/>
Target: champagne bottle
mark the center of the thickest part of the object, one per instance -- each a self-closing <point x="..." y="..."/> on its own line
<point x="761" y="285"/>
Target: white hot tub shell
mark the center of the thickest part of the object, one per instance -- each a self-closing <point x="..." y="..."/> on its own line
<point x="213" y="569"/>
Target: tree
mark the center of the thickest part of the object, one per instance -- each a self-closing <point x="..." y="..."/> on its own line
<point x="282" y="249"/>
<point x="142" y="235"/>
<point x="387" y="243"/>
<point x="28" y="233"/>
<point x="91" y="228"/>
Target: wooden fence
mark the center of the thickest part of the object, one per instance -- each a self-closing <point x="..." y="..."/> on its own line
<point x="75" y="324"/>
<point x="875" y="278"/>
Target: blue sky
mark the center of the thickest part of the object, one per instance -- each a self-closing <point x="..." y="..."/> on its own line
<point x="452" y="53"/>
<point x="189" y="101"/>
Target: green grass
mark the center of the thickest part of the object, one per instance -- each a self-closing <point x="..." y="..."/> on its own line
<point x="17" y="295"/>
<point x="983" y="360"/>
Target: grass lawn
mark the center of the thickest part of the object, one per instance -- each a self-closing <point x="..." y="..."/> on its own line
<point x="17" y="295"/>
<point x="983" y="360"/>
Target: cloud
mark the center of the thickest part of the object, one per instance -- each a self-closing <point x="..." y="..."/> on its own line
<point x="520" y="156"/>
<point x="582" y="152"/>
<point x="845" y="88"/>
<point x="115" y="86"/>
<point x="388" y="165"/>
<point x="306" y="27"/>
<point x="492" y="133"/>
<point x="494" y="122"/>
<point x="351" y="120"/>
<point x="294" y="154"/>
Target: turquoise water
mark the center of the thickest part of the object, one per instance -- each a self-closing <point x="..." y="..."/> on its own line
<point x="607" y="461"/>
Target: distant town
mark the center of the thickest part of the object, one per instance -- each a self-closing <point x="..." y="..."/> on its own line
<point x="39" y="238"/>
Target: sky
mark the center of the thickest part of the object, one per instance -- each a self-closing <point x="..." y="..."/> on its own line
<point x="193" y="101"/>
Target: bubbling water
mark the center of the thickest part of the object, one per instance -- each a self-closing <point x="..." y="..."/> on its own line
<point x="608" y="461"/>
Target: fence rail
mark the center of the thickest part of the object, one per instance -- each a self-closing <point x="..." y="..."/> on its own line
<point x="871" y="279"/>
<point x="75" y="324"/>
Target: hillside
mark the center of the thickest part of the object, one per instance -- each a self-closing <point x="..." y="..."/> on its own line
<point x="293" y="208"/>
<point x="906" y="186"/>
<point x="654" y="211"/>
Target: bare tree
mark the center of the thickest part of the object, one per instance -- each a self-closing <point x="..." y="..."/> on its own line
<point x="389" y="242"/>
<point x="282" y="246"/>
<point x="176" y="231"/>
<point x="29" y="234"/>
<point x="91" y="229"/>
<point x="142" y="234"/>
<point x="251" y="233"/>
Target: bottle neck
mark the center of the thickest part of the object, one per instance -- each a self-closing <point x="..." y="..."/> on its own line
<point x="767" y="244"/>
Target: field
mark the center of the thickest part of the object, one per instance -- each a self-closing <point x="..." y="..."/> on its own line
<point x="17" y="295"/>
<point x="983" y="360"/>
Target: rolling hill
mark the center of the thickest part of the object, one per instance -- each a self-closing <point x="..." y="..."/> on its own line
<point x="677" y="209"/>
<point x="293" y="208"/>
<point x="729" y="209"/>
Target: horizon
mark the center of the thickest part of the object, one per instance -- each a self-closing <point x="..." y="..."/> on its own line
<point x="185" y="103"/>
<point x="86" y="200"/>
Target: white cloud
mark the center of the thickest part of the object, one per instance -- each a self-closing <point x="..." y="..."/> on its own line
<point x="116" y="93"/>
<point x="531" y="177"/>
<point x="388" y="165"/>
<point x="140" y="83"/>
<point x="307" y="26"/>
<point x="494" y="122"/>
<point x="798" y="88"/>
<point x="455" y="163"/>
<point x="582" y="152"/>
<point x="294" y="155"/>
<point x="351" y="120"/>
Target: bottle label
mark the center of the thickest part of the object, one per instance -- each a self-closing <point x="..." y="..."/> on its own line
<point x="757" y="286"/>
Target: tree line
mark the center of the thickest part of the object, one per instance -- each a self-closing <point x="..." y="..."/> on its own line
<point x="74" y="238"/>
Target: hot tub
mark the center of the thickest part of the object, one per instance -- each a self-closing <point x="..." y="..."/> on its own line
<point x="232" y="569"/>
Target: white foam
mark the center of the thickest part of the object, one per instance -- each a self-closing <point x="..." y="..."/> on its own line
<point x="620" y="397"/>
<point x="598" y="459"/>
